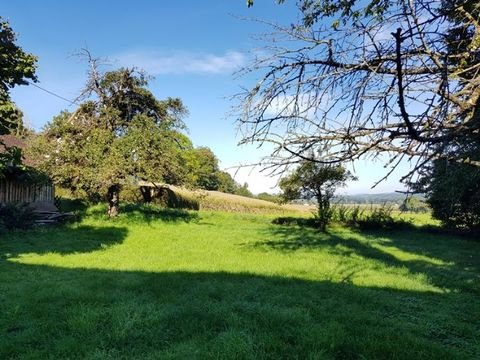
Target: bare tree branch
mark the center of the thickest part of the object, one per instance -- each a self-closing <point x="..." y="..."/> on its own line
<point x="390" y="84"/>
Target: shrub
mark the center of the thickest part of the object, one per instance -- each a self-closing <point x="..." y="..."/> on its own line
<point x="171" y="199"/>
<point x="295" y="221"/>
<point x="356" y="214"/>
<point x="340" y="213"/>
<point x="414" y="204"/>
<point x="379" y="217"/>
<point x="277" y="199"/>
<point x="343" y="214"/>
<point x="17" y="216"/>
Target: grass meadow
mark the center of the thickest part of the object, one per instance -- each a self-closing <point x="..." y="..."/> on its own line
<point x="165" y="284"/>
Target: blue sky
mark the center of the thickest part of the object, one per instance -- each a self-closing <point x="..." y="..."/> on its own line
<point x="191" y="47"/>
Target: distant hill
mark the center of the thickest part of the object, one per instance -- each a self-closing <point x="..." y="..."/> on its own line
<point x="383" y="198"/>
<point x="392" y="198"/>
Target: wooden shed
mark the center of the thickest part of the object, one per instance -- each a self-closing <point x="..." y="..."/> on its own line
<point x="18" y="191"/>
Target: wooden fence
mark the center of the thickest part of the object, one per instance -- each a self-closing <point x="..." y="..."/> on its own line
<point x="17" y="192"/>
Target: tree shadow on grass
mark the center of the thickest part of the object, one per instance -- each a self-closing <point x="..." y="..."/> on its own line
<point x="145" y="213"/>
<point x="62" y="240"/>
<point x="53" y="312"/>
<point x="460" y="255"/>
<point x="50" y="312"/>
<point x="449" y="263"/>
<point x="76" y="206"/>
<point x="286" y="238"/>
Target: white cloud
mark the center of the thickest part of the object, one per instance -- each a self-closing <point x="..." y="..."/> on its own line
<point x="306" y="105"/>
<point x="156" y="62"/>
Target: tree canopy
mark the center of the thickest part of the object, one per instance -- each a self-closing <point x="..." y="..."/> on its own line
<point x="452" y="188"/>
<point x="352" y="79"/>
<point x="315" y="180"/>
<point x="120" y="134"/>
<point x="205" y="169"/>
<point x="453" y="193"/>
<point x="203" y="172"/>
<point x="16" y="68"/>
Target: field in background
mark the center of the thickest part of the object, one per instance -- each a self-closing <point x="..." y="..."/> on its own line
<point x="216" y="201"/>
<point x="219" y="201"/>
<point x="157" y="283"/>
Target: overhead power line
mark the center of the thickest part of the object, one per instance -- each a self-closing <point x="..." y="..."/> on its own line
<point x="71" y="102"/>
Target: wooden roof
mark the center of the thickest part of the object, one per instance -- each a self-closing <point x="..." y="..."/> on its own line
<point x="9" y="141"/>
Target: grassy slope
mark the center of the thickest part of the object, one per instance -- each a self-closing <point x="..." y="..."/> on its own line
<point x="168" y="284"/>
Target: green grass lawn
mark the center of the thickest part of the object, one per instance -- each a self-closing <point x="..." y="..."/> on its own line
<point x="171" y="284"/>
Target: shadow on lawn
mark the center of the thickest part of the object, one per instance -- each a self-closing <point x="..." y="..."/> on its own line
<point x="50" y="312"/>
<point x="146" y="213"/>
<point x="76" y="206"/>
<point x="450" y="267"/>
<point x="128" y="211"/>
<point x="62" y="240"/>
<point x="74" y="238"/>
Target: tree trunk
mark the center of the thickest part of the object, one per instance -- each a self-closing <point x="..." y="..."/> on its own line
<point x="113" y="200"/>
<point x="146" y="194"/>
<point x="321" y="212"/>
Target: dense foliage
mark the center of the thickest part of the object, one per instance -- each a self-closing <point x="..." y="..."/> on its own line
<point x="16" y="216"/>
<point x="16" y="68"/>
<point x="204" y="173"/>
<point x="13" y="168"/>
<point x="452" y="181"/>
<point x="453" y="193"/>
<point x="122" y="134"/>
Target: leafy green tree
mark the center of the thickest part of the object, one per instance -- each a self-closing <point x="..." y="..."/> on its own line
<point x="315" y="180"/>
<point x="121" y="134"/>
<point x="201" y="170"/>
<point x="16" y="68"/>
<point x="243" y="190"/>
<point x="205" y="168"/>
<point x="226" y="183"/>
<point x="176" y="154"/>
<point x="451" y="181"/>
<point x="11" y="120"/>
<point x="452" y="190"/>
<point x="13" y="168"/>
<point x="10" y="161"/>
